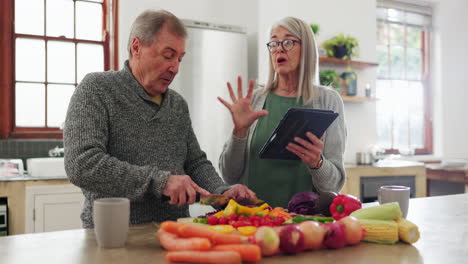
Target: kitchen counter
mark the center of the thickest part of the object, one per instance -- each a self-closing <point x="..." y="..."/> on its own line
<point x="442" y="220"/>
<point x="29" y="178"/>
<point x="14" y="189"/>
<point x="399" y="170"/>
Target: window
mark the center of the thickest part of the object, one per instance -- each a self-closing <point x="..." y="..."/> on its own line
<point x="404" y="109"/>
<point x="51" y="45"/>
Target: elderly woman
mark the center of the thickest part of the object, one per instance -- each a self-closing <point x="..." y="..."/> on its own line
<point x="293" y="68"/>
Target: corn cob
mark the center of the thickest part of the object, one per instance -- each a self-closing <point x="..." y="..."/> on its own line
<point x="407" y="231"/>
<point x="387" y="211"/>
<point x="380" y="231"/>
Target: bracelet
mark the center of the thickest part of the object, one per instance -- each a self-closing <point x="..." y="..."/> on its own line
<point x="319" y="163"/>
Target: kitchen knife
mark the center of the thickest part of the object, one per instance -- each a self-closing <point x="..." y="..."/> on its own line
<point x="220" y="201"/>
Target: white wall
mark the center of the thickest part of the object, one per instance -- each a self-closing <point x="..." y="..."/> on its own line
<point x="354" y="17"/>
<point x="451" y="93"/>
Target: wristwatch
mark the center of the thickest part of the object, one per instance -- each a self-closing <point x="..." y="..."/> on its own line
<point x="319" y="165"/>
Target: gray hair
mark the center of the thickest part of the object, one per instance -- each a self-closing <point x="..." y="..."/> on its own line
<point x="308" y="66"/>
<point x="148" y="24"/>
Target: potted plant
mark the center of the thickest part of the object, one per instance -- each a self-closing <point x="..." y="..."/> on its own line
<point x="341" y="46"/>
<point x="330" y="78"/>
<point x="315" y="28"/>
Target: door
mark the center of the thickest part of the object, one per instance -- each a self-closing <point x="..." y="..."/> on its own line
<point x="53" y="208"/>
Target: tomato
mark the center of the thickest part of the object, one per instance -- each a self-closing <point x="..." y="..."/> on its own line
<point x="313" y="234"/>
<point x="353" y="229"/>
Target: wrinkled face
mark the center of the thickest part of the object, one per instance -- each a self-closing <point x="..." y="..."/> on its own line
<point x="156" y="65"/>
<point x="285" y="61"/>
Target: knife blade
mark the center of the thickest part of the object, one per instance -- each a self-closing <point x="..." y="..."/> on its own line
<point x="220" y="201"/>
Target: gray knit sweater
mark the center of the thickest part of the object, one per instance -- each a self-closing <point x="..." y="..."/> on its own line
<point x="119" y="143"/>
<point x="234" y="160"/>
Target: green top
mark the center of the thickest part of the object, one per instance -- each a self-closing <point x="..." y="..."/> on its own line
<point x="275" y="181"/>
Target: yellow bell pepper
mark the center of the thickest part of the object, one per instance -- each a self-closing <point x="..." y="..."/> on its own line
<point x="247" y="230"/>
<point x="225" y="229"/>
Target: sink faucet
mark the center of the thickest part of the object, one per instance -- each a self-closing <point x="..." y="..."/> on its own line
<point x="56" y="152"/>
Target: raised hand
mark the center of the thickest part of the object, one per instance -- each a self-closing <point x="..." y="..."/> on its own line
<point x="241" y="110"/>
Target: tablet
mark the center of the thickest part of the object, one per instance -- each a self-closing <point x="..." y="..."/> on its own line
<point x="295" y="123"/>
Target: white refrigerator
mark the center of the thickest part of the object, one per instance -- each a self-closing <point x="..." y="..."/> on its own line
<point x="215" y="54"/>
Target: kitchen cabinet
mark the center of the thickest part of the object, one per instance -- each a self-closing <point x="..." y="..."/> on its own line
<point x="364" y="181"/>
<point x="335" y="63"/>
<point x="53" y="208"/>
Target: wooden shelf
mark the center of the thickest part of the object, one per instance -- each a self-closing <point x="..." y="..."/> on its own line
<point x="336" y="61"/>
<point x="357" y="99"/>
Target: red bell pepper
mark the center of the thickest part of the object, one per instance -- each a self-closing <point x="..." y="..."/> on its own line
<point x="343" y="205"/>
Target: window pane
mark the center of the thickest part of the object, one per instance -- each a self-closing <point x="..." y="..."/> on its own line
<point x="416" y="114"/>
<point x="414" y="64"/>
<point x="89" y="21"/>
<point x="384" y="113"/>
<point x="61" y="62"/>
<point x="382" y="33"/>
<point x="58" y="97"/>
<point x="382" y="58"/>
<point x="400" y="114"/>
<point x="30" y="60"/>
<point x="30" y="105"/>
<point x="396" y="34"/>
<point x="29" y="17"/>
<point x="396" y="15"/>
<point x="397" y="62"/>
<point x="59" y="20"/>
<point x="413" y="37"/>
<point x="90" y="59"/>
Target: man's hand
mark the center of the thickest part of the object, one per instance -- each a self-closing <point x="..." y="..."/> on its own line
<point x="240" y="191"/>
<point x="182" y="190"/>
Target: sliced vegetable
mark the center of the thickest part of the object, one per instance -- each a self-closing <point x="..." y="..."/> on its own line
<point x="343" y="205"/>
<point x="388" y="211"/>
<point x="320" y="219"/>
<point x="280" y="212"/>
<point x="380" y="231"/>
<point x="225" y="229"/>
<point x="207" y="257"/>
<point x="247" y="230"/>
<point x="407" y="231"/>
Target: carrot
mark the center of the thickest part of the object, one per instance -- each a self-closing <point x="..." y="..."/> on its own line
<point x="170" y="241"/>
<point x="208" y="257"/>
<point x="248" y="252"/>
<point x="215" y="237"/>
<point x="170" y="226"/>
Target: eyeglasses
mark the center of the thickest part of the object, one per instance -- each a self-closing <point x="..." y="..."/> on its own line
<point x="286" y="44"/>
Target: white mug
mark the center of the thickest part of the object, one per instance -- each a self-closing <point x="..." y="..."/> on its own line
<point x="111" y="220"/>
<point x="395" y="193"/>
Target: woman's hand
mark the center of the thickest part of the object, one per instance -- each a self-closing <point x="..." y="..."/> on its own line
<point x="182" y="190"/>
<point x="309" y="153"/>
<point x="242" y="112"/>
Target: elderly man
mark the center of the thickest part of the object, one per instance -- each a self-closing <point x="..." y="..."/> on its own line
<point x="128" y="135"/>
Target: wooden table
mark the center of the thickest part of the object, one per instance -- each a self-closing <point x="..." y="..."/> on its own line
<point x="443" y="223"/>
<point x="437" y="172"/>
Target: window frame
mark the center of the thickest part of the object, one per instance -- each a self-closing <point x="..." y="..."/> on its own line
<point x="8" y="129"/>
<point x="427" y="100"/>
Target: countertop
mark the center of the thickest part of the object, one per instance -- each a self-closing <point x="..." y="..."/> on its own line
<point x="442" y="220"/>
<point x="29" y="178"/>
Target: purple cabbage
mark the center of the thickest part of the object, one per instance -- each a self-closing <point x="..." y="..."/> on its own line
<point x="303" y="203"/>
